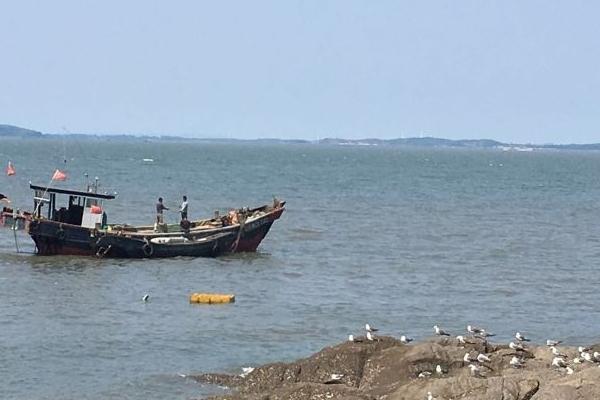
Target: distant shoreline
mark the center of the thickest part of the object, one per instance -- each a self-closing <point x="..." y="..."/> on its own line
<point x="10" y="131"/>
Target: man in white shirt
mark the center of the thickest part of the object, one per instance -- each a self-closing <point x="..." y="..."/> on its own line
<point x="184" y="208"/>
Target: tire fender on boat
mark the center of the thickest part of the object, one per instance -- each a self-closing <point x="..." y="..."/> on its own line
<point x="60" y="234"/>
<point x="148" y="249"/>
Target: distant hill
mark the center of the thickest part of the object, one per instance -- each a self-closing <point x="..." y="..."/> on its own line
<point x="15" y="131"/>
<point x="421" y="142"/>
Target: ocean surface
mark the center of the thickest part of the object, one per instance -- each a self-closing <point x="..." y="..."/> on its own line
<point x="400" y="238"/>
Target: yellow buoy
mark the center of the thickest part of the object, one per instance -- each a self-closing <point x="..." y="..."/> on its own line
<point x="211" y="298"/>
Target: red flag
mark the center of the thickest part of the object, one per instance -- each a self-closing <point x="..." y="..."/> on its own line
<point x="59" y="175"/>
<point x="10" y="170"/>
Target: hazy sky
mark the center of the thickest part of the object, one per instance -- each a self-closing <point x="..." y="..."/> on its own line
<point x="521" y="71"/>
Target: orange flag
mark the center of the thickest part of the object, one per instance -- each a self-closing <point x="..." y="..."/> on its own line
<point x="59" y="175"/>
<point x="10" y="170"/>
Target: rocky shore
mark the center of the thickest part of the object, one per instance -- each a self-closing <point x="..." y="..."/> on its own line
<point x="437" y="368"/>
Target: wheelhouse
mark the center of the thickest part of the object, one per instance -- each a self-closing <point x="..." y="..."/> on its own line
<point x="81" y="208"/>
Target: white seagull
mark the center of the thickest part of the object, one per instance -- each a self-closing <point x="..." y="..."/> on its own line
<point x="405" y="339"/>
<point x="351" y="338"/>
<point x="467" y="358"/>
<point x="246" y="371"/>
<point x="438" y="370"/>
<point x="475" y="370"/>
<point x="516" y="362"/>
<point x="484" y="334"/>
<point x="520" y="337"/>
<point x="370" y="337"/>
<point x="578" y="360"/>
<point x="424" y="374"/>
<point x="369" y="328"/>
<point x="146" y="298"/>
<point x="558" y="362"/>
<point x="569" y="370"/>
<point x="461" y="339"/>
<point x="334" y="378"/>
<point x="586" y="356"/>
<point x="440" y="332"/>
<point x="516" y="346"/>
<point x="551" y="342"/>
<point x="581" y="349"/>
<point x="430" y="396"/>
<point x="556" y="352"/>
<point x="483" y="358"/>
<point x="596" y="356"/>
<point x="473" y="329"/>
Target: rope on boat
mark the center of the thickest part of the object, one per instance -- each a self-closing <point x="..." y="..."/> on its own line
<point x="15" y="232"/>
<point x="242" y="219"/>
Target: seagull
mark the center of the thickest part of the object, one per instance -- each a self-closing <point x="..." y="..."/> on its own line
<point x="516" y="346"/>
<point x="467" y="358"/>
<point x="569" y="370"/>
<point x="405" y="339"/>
<point x="556" y="352"/>
<point x="558" y="362"/>
<point x="352" y="339"/>
<point x="521" y="338"/>
<point x="581" y="349"/>
<point x="369" y="328"/>
<point x="439" y="331"/>
<point x="578" y="360"/>
<point x="424" y="374"/>
<point x="551" y="342"/>
<point x="483" y="358"/>
<point x="461" y="339"/>
<point x="146" y="298"/>
<point x="181" y="375"/>
<point x="430" y="396"/>
<point x="475" y="370"/>
<point x="586" y="356"/>
<point x="596" y="356"/>
<point x="473" y="329"/>
<point x="370" y="337"/>
<point x="438" y="369"/>
<point x="516" y="362"/>
<point x="246" y="371"/>
<point x="334" y="378"/>
<point x="485" y="334"/>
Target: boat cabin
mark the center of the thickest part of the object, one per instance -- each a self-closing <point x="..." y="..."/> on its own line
<point x="82" y="208"/>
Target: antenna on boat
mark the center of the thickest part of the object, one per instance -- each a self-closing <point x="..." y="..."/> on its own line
<point x="15" y="228"/>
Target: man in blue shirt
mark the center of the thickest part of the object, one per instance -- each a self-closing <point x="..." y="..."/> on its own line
<point x="159" y="210"/>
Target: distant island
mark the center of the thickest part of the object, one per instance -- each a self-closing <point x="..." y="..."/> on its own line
<point x="17" y="132"/>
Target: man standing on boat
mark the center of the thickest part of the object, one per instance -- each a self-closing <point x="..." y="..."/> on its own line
<point x="184" y="208"/>
<point x="159" y="211"/>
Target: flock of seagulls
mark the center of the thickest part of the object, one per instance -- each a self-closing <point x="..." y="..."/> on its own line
<point x="479" y="364"/>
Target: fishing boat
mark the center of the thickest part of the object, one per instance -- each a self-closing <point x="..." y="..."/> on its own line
<point x="81" y="228"/>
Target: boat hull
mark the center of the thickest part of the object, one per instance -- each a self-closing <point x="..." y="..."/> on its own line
<point x="124" y="247"/>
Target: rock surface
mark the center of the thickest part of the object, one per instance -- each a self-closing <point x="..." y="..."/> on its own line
<point x="387" y="369"/>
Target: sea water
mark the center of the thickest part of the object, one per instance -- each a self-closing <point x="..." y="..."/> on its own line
<point x="402" y="238"/>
